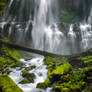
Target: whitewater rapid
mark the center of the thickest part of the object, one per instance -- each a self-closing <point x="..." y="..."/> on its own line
<point x="41" y="31"/>
<point x="40" y="72"/>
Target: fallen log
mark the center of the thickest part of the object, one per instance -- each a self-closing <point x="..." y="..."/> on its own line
<point x="72" y="59"/>
<point x="43" y="53"/>
<point x="27" y="49"/>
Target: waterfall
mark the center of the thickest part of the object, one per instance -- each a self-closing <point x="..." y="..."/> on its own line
<point x="45" y="33"/>
<point x="36" y="23"/>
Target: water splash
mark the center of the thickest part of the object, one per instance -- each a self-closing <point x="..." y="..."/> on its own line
<point x="40" y="72"/>
<point x="86" y="36"/>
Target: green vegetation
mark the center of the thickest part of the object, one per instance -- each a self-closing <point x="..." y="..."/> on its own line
<point x="29" y="68"/>
<point x="72" y="73"/>
<point x="24" y="81"/>
<point x="3" y="4"/>
<point x="66" y="16"/>
<point x="45" y="84"/>
<point x="9" y="58"/>
<point x="28" y="77"/>
<point x="7" y="85"/>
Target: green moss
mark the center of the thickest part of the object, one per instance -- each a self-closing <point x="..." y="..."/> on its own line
<point x="60" y="88"/>
<point x="87" y="60"/>
<point x="7" y="85"/>
<point x="69" y="87"/>
<point x="3" y="4"/>
<point x="87" y="69"/>
<point x="29" y="76"/>
<point x="88" y="88"/>
<point x="10" y="52"/>
<point x="66" y="16"/>
<point x="76" y="76"/>
<point x="53" y="62"/>
<point x="60" y="70"/>
<point x="29" y="68"/>
<point x="44" y="85"/>
<point x="8" y="57"/>
<point x="24" y="81"/>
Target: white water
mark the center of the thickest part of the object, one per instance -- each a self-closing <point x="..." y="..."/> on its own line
<point x="86" y="34"/>
<point x="42" y="32"/>
<point x="40" y="72"/>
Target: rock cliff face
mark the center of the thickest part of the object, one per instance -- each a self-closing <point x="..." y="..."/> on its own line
<point x="3" y="4"/>
<point x="78" y="6"/>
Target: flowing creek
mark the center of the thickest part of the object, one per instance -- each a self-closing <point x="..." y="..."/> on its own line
<point x="40" y="74"/>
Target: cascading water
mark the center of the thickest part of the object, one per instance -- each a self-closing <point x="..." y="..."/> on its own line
<point x="39" y="27"/>
<point x="40" y="72"/>
<point x="35" y="23"/>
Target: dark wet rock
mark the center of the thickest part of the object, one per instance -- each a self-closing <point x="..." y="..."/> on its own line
<point x="24" y="81"/>
<point x="30" y="68"/>
<point x="29" y="76"/>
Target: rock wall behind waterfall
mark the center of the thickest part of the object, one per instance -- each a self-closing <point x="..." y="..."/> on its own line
<point x="80" y="7"/>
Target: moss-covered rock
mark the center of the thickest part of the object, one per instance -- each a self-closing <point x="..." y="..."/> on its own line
<point x="29" y="68"/>
<point x="69" y="87"/>
<point x="9" y="58"/>
<point x="24" y="81"/>
<point x="44" y="85"/>
<point x="71" y="73"/>
<point x="29" y="76"/>
<point x="56" y="74"/>
<point x="7" y="85"/>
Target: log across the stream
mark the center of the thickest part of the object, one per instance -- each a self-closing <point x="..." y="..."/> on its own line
<point x="35" y="51"/>
<point x="31" y="50"/>
<point x="72" y="59"/>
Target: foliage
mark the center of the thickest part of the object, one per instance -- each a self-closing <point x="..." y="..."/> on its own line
<point x="3" y="4"/>
<point x="66" y="78"/>
<point x="29" y="77"/>
<point x="66" y="16"/>
<point x="44" y="85"/>
<point x="7" y="85"/>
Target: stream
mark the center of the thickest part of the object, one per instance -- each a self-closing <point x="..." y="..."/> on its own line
<point x="40" y="72"/>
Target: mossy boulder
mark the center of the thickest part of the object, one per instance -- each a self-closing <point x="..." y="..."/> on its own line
<point x="69" y="87"/>
<point x="24" y="81"/>
<point x="9" y="58"/>
<point x="56" y="74"/>
<point x="29" y="68"/>
<point x="53" y="62"/>
<point x="70" y="73"/>
<point x="29" y="76"/>
<point x="44" y="85"/>
<point x="7" y="85"/>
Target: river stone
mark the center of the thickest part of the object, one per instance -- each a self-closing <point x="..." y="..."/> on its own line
<point x="29" y="68"/>
<point x="29" y="76"/>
